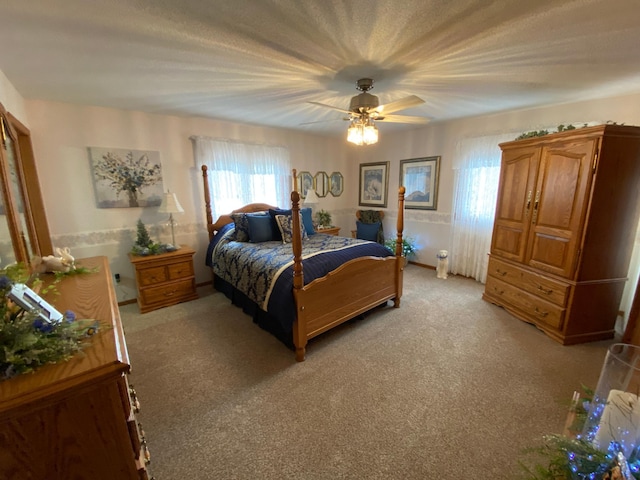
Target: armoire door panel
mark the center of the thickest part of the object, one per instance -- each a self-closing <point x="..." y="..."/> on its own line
<point x="514" y="206"/>
<point x="559" y="209"/>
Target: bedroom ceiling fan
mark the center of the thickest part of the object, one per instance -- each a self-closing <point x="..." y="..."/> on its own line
<point x="365" y="110"/>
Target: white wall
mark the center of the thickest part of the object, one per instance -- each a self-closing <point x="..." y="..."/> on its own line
<point x="11" y="99"/>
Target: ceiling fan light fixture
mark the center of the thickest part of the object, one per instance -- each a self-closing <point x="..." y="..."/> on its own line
<point x="354" y="132"/>
<point x="362" y="131"/>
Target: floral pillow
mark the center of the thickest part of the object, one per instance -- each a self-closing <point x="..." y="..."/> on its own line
<point x="285" y="224"/>
<point x="242" y="227"/>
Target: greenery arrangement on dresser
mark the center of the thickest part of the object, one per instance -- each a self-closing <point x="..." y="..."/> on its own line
<point x="27" y="340"/>
<point x="145" y="246"/>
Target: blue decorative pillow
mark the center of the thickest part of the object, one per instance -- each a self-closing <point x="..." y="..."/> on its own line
<point x="307" y="220"/>
<point x="274" y="224"/>
<point x="367" y="231"/>
<point x="285" y="223"/>
<point x="259" y="227"/>
<point x="242" y="227"/>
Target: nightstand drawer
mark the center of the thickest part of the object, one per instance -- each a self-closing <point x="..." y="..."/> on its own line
<point x="172" y="291"/>
<point x="180" y="270"/>
<point x="151" y="276"/>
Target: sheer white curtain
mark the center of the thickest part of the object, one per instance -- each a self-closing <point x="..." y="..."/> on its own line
<point x="476" y="178"/>
<point x="242" y="173"/>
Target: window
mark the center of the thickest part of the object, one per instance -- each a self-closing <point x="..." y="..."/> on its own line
<point x="476" y="181"/>
<point x="242" y="173"/>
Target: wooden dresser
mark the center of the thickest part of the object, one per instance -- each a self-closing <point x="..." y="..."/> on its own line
<point x="164" y="279"/>
<point x="76" y="419"/>
<point x="565" y="224"/>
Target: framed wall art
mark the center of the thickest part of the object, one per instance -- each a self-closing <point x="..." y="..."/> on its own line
<point x="304" y="182"/>
<point x="374" y="179"/>
<point x="336" y="184"/>
<point x="419" y="176"/>
<point x="126" y="178"/>
<point x="321" y="181"/>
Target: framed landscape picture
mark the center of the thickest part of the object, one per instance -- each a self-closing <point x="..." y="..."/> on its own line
<point x="373" y="184"/>
<point x="419" y="176"/>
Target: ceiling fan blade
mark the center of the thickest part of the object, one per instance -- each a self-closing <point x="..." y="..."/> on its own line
<point x="331" y="107"/>
<point x="402" y="119"/>
<point x="407" y="102"/>
<point x="325" y="121"/>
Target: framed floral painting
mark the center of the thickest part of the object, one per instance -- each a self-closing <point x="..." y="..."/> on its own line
<point x="126" y="178"/>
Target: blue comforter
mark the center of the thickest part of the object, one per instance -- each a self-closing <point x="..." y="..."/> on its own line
<point x="264" y="271"/>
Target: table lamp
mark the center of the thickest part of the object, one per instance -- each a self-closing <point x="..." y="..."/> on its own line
<point x="171" y="205"/>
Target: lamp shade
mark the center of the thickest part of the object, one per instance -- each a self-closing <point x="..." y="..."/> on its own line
<point x="311" y="198"/>
<point x="170" y="204"/>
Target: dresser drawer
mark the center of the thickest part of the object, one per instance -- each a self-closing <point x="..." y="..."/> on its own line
<point x="161" y="294"/>
<point x="535" y="308"/>
<point x="151" y="276"/>
<point x="180" y="270"/>
<point x="544" y="287"/>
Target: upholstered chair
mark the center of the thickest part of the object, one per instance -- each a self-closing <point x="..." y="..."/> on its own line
<point x="369" y="225"/>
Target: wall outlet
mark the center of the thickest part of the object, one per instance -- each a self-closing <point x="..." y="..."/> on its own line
<point x="117" y="277"/>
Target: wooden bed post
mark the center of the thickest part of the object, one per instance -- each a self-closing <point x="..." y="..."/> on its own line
<point x="400" y="263"/>
<point x="299" y="330"/>
<point x="207" y="201"/>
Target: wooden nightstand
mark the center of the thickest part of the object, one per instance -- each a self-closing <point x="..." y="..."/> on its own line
<point x="330" y="231"/>
<point x="164" y="279"/>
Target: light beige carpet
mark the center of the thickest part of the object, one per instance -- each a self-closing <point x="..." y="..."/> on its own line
<point x="445" y="387"/>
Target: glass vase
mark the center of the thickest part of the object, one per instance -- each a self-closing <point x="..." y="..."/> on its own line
<point x="613" y="418"/>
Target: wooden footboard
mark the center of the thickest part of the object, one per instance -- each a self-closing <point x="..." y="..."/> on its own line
<point x="352" y="289"/>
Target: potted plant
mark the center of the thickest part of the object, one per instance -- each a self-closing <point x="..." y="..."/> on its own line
<point x="324" y="219"/>
<point x="408" y="247"/>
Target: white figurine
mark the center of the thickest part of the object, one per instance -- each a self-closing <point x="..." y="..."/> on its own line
<point x="443" y="264"/>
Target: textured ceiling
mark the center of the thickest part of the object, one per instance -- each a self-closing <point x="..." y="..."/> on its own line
<point x="262" y="61"/>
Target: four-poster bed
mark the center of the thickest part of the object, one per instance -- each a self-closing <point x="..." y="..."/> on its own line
<point x="351" y="286"/>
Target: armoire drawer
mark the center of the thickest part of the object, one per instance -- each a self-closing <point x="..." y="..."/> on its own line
<point x="535" y="308"/>
<point x="546" y="288"/>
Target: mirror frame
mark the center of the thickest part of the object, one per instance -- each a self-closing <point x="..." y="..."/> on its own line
<point x="29" y="189"/>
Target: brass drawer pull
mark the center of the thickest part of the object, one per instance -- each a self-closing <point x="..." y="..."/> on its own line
<point x="545" y="290"/>
<point x="541" y="313"/>
<point x="146" y="453"/>
<point x="500" y="272"/>
<point x="134" y="399"/>
<point x="499" y="292"/>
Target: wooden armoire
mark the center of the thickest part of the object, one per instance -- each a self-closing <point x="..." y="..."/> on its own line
<point x="565" y="224"/>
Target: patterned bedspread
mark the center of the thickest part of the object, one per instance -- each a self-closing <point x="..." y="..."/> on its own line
<point x="264" y="271"/>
